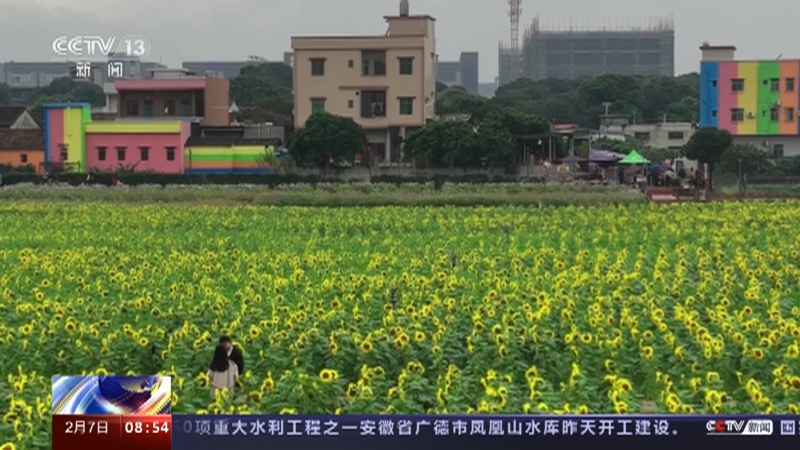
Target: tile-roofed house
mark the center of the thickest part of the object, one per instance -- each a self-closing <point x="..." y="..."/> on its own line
<point x="16" y="118"/>
<point x="20" y="148"/>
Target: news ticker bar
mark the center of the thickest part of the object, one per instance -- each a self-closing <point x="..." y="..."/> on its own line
<point x="110" y="432"/>
<point x="356" y="432"/>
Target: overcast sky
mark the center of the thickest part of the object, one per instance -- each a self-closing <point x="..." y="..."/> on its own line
<point x="191" y="30"/>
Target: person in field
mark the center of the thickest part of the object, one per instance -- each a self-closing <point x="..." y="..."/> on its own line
<point x="222" y="372"/>
<point x="234" y="353"/>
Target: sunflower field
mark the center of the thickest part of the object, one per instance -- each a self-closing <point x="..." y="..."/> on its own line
<point x="674" y="309"/>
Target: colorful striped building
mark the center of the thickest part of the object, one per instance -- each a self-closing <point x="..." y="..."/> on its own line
<point x="215" y="156"/>
<point x="758" y="102"/>
<point x="76" y="143"/>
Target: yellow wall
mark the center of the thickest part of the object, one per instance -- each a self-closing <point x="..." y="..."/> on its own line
<point x="134" y="127"/>
<point x="748" y="100"/>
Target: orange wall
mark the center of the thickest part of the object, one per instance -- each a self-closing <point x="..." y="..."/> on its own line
<point x="14" y="157"/>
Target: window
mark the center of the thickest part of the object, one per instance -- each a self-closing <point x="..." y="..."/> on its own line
<point x="120" y="153"/>
<point x="317" y="67"/>
<point x="737" y="85"/>
<point x="774" y="114"/>
<point x="406" y="106"/>
<point x="144" y="153"/>
<point x="777" y="151"/>
<point x="641" y="136"/>
<point x="23" y="158"/>
<point x="350" y="64"/>
<point x="675" y="135"/>
<point x="713" y="83"/>
<point x="713" y="113"/>
<point x="132" y="108"/>
<point x="169" y="108"/>
<point x="350" y="104"/>
<point x="148" y="108"/>
<point x="373" y="63"/>
<point x="406" y="66"/>
<point x="101" y="153"/>
<point x="737" y="115"/>
<point x="170" y="153"/>
<point x="186" y="107"/>
<point x="63" y="153"/>
<point x="790" y="84"/>
<point x="373" y="104"/>
<point x="317" y="105"/>
<point x="775" y="84"/>
<point x="380" y="67"/>
<point x="788" y="114"/>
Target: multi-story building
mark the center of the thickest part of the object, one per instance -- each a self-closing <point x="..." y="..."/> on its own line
<point x="175" y="94"/>
<point x="660" y="135"/>
<point x="758" y="102"/>
<point x="386" y="83"/>
<point x="218" y="69"/>
<point x="288" y="58"/>
<point x="572" y="51"/>
<point x="463" y="72"/>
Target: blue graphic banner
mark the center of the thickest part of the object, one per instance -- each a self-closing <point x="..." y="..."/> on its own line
<point x="470" y="432"/>
<point x="112" y="394"/>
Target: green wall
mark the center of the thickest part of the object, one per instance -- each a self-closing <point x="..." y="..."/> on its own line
<point x="768" y="70"/>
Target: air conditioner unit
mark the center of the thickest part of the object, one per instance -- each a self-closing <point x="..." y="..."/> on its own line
<point x="751" y="115"/>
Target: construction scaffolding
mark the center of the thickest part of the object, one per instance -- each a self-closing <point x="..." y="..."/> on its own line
<point x="507" y="71"/>
<point x="654" y="24"/>
<point x="571" y="48"/>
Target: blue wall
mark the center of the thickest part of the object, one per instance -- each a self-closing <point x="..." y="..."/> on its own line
<point x="709" y="94"/>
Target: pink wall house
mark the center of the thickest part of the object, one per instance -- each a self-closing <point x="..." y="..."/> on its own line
<point x="159" y="148"/>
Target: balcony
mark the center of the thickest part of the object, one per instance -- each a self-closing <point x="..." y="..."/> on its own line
<point x="373" y="63"/>
<point x="373" y="104"/>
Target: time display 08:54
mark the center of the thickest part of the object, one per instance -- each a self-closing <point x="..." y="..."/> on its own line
<point x="146" y="427"/>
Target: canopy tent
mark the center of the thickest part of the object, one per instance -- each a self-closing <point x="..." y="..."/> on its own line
<point x="634" y="157"/>
<point x="604" y="156"/>
<point x="572" y="159"/>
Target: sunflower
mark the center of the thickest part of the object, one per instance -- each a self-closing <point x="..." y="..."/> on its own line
<point x="366" y="346"/>
<point x="328" y="375"/>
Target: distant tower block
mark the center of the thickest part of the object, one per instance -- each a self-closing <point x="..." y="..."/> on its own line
<point x="404" y="8"/>
<point x="515" y="10"/>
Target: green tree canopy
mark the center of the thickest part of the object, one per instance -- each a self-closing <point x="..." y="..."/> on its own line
<point x="581" y="101"/>
<point x="743" y="159"/>
<point x="64" y="90"/>
<point x="264" y="85"/>
<point x="707" y="145"/>
<point x="326" y="140"/>
<point x="443" y="143"/>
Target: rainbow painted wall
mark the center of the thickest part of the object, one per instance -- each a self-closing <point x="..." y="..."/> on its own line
<point x="245" y="159"/>
<point x="65" y="127"/>
<point x="750" y="111"/>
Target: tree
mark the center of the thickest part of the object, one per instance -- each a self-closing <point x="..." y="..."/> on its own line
<point x="443" y="143"/>
<point x="256" y="85"/>
<point x="456" y="100"/>
<point x="706" y="146"/>
<point x="743" y="159"/>
<point x="327" y="139"/>
<point x="581" y="101"/>
<point x="64" y="90"/>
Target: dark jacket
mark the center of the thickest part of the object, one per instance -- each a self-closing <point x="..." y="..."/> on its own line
<point x="238" y="358"/>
